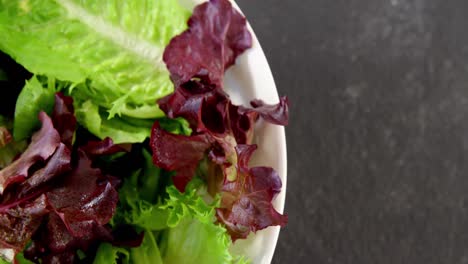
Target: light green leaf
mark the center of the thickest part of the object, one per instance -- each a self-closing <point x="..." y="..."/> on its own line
<point x="193" y="236"/>
<point x="148" y="252"/>
<point x="32" y="99"/>
<point x="108" y="254"/>
<point x="177" y="126"/>
<point x="121" y="130"/>
<point x="195" y="241"/>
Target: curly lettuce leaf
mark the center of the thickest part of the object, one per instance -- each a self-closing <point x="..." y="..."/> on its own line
<point x="196" y="240"/>
<point x="139" y="198"/>
<point x="186" y="221"/>
<point x="193" y="235"/>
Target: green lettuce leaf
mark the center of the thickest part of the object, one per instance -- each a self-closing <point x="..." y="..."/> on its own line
<point x="21" y="260"/>
<point x="148" y="252"/>
<point x="140" y="198"/>
<point x="186" y="221"/>
<point x="120" y="129"/>
<point x="178" y="126"/>
<point x="193" y="235"/>
<point x="108" y="254"/>
<point x="110" y="52"/>
<point x="32" y="99"/>
<point x="196" y="240"/>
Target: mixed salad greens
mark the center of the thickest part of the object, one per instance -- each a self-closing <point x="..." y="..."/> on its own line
<point x="118" y="143"/>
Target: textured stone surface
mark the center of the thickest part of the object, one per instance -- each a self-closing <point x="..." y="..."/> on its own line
<point x="378" y="141"/>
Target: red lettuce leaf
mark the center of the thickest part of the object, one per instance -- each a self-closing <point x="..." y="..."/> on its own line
<point x="64" y="118"/>
<point x="197" y="60"/>
<point x="43" y="145"/>
<point x="53" y="242"/>
<point x="126" y="236"/>
<point x="242" y="123"/>
<point x="205" y="111"/>
<point x="58" y="164"/>
<point x="82" y="204"/>
<point x="18" y="224"/>
<point x="66" y="257"/>
<point x="103" y="147"/>
<point x="217" y="34"/>
<point x="85" y="198"/>
<point x="55" y="196"/>
<point x="276" y="114"/>
<point x="55" y="238"/>
<point x="178" y="153"/>
<point x="246" y="202"/>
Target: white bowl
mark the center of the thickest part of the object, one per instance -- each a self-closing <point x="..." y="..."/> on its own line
<point x="249" y="79"/>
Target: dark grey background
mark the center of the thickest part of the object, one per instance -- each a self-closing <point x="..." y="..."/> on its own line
<point x="378" y="135"/>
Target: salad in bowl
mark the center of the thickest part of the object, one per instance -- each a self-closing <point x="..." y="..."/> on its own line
<point x="126" y="137"/>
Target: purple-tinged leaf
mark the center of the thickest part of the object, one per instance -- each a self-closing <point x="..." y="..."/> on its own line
<point x="246" y="202"/>
<point x="99" y="148"/>
<point x="18" y="224"/>
<point x="58" y="164"/>
<point x="43" y="145"/>
<point x="85" y="198"/>
<point x="178" y="153"/>
<point x="197" y="60"/>
<point x="64" y="119"/>
<point x="276" y="114"/>
<point x="217" y="34"/>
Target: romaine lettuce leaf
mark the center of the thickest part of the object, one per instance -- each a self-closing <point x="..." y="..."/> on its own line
<point x="114" y="46"/>
<point x="121" y="130"/>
